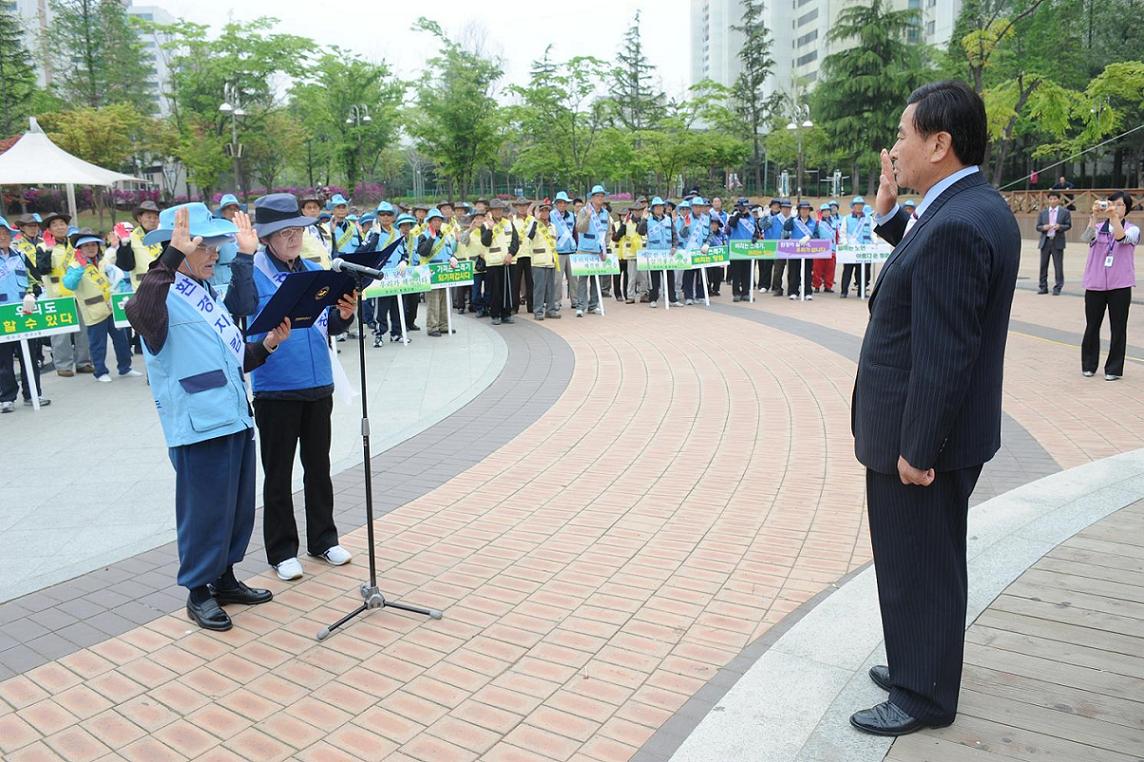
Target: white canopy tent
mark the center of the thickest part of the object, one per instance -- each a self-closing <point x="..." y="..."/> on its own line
<point x="35" y="160"/>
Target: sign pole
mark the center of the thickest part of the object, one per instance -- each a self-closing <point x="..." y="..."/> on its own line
<point x="449" y="308"/>
<point x="30" y="372"/>
<point x="706" y="292"/>
<point x="599" y="295"/>
<point x="401" y="319"/>
<point x="802" y="280"/>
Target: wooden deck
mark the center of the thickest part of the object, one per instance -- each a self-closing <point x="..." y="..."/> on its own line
<point x="1054" y="668"/>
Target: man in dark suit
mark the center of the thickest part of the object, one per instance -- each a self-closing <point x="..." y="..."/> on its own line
<point x="926" y="412"/>
<point x="1052" y="224"/>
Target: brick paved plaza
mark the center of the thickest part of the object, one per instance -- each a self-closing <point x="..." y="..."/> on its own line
<point x="622" y="523"/>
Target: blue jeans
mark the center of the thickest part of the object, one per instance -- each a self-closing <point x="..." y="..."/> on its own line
<point x="477" y="295"/>
<point x="97" y="339"/>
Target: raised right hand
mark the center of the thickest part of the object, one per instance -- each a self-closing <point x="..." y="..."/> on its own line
<point x="887" y="186"/>
<point x="181" y="234"/>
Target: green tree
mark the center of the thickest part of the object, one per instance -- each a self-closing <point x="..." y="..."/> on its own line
<point x="270" y="151"/>
<point x="17" y="78"/>
<point x="751" y="99"/>
<point x="457" y="121"/>
<point x="865" y="86"/>
<point x="99" y="58"/>
<point x="337" y="83"/>
<point x="636" y="101"/>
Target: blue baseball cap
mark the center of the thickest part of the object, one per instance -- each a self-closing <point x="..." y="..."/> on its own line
<point x="656" y="201"/>
<point x="337" y="200"/>
<point x="227" y="200"/>
<point x="368" y="217"/>
<point x="909" y="202"/>
<point x="698" y="201"/>
<point x="405" y="219"/>
<point x="434" y="214"/>
<point x="825" y="208"/>
<point x="215" y="231"/>
<point x="598" y="189"/>
<point x="857" y="200"/>
<point x="4" y="222"/>
<point x="562" y="196"/>
<point x="684" y="204"/>
<point x="385" y="208"/>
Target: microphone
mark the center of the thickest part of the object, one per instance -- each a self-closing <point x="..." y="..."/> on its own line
<point x="340" y="265"/>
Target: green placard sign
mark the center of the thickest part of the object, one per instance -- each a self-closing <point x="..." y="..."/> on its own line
<point x="118" y="314"/>
<point x="582" y="265"/>
<point x="662" y="259"/>
<point x="412" y="280"/>
<point x="754" y="249"/>
<point x="443" y="276"/>
<point x="716" y="255"/>
<point x="52" y="316"/>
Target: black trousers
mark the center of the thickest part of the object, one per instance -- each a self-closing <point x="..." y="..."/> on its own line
<point x="522" y="274"/>
<point x="498" y="279"/>
<point x="848" y="272"/>
<point x="741" y="277"/>
<point x="918" y="538"/>
<point x="799" y="271"/>
<point x="766" y="267"/>
<point x="283" y="426"/>
<point x="1117" y="302"/>
<point x="8" y="386"/>
<point x="715" y="278"/>
<point x="656" y="280"/>
<point x="621" y="283"/>
<point x="1057" y="255"/>
<point x="410" y="302"/>
<point x="387" y="318"/>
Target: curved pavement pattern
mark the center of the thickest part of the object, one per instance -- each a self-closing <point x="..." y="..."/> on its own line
<point x="691" y="486"/>
<point x="61" y="618"/>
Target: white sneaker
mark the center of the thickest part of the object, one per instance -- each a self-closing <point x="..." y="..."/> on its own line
<point x="794" y="297"/>
<point x="579" y="313"/>
<point x="337" y="556"/>
<point x="595" y="311"/>
<point x="810" y="297"/>
<point x="131" y="374"/>
<point x="763" y="289"/>
<point x="288" y="570"/>
<point x="653" y="305"/>
<point x="104" y="379"/>
<point x="7" y="407"/>
<point x="689" y="301"/>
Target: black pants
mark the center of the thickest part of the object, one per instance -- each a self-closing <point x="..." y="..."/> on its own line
<point x="522" y="274"/>
<point x="799" y="272"/>
<point x="497" y="289"/>
<point x="388" y="317"/>
<point x="918" y="538"/>
<point x="1057" y="255"/>
<point x="284" y="425"/>
<point x="8" y="375"/>
<point x="715" y="278"/>
<point x="848" y="272"/>
<point x="766" y="267"/>
<point x="622" y="282"/>
<point x="656" y="280"/>
<point x="741" y="277"/>
<point x="410" y="302"/>
<point x="1117" y="302"/>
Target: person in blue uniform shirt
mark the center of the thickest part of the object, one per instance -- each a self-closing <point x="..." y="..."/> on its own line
<point x="227" y="207"/>
<point x="434" y="246"/>
<point x="742" y="226"/>
<point x="779" y="265"/>
<point x="715" y="273"/>
<point x="592" y="228"/>
<point x="196" y="357"/>
<point x="294" y="399"/>
<point x="696" y="240"/>
<point x="18" y="283"/>
<point x="342" y="230"/>
<point x="388" y="315"/>
<point x="564" y="220"/>
<point x="771" y="229"/>
<point x="801" y="227"/>
<point x="857" y="227"/>
<point x="658" y="230"/>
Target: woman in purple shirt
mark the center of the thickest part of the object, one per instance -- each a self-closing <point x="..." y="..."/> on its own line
<point x="1109" y="276"/>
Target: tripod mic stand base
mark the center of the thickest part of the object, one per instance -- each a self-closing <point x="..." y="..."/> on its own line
<point x="373" y="598"/>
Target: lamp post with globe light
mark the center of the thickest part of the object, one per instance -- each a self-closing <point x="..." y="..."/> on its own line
<point x="800" y="120"/>
<point x="232" y="105"/>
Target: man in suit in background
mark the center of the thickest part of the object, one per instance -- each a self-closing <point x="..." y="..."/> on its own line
<point x="1052" y="224"/>
<point x="926" y="412"/>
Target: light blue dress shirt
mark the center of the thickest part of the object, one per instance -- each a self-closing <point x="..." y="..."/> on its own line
<point x="931" y="195"/>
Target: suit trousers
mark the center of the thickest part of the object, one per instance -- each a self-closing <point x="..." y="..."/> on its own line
<point x="918" y="538"/>
<point x="1057" y="255"/>
<point x="741" y="277"/>
<point x="8" y="387"/>
<point x="1117" y="301"/>
<point x="214" y="505"/>
<point x="766" y="267"/>
<point x="284" y="425"/>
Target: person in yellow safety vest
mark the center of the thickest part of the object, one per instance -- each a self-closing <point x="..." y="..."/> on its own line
<point x="419" y="212"/>
<point x="628" y="243"/>
<point x="540" y="239"/>
<point x="499" y="235"/>
<point x="133" y="256"/>
<point x="477" y="251"/>
<point x="316" y="242"/>
<point x="464" y="251"/>
<point x="522" y="273"/>
<point x="93" y="281"/>
<point x="70" y="352"/>
<point x="451" y="225"/>
<point x="28" y="241"/>
<point x="344" y="231"/>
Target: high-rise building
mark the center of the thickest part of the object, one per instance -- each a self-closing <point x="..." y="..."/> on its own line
<point x="800" y="35"/>
<point x="36" y="16"/>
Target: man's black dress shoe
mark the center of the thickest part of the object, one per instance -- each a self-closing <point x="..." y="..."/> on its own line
<point x="208" y="615"/>
<point x="241" y="594"/>
<point x="886" y="719"/>
<point x="880" y="674"/>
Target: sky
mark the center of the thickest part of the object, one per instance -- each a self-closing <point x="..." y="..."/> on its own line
<point x="382" y="30"/>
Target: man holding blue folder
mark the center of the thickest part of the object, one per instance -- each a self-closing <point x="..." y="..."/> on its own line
<point x="293" y="397"/>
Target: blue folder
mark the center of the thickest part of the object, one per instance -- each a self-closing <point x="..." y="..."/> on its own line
<point x="302" y="297"/>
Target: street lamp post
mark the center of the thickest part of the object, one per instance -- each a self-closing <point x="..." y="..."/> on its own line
<point x="359" y="115"/>
<point x="232" y="105"/>
<point x="800" y="120"/>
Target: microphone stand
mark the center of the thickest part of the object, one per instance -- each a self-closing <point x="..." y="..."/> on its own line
<point x="372" y="597"/>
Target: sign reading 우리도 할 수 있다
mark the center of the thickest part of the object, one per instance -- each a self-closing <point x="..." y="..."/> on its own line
<point x="50" y="317"/>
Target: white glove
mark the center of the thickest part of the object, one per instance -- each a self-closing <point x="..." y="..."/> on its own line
<point x="401" y="266"/>
<point x="804" y="239"/>
<point x="29" y="304"/>
<point x="703" y="249"/>
<point x="453" y="262"/>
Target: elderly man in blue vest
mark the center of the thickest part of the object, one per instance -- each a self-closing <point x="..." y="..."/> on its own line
<point x="593" y="228"/>
<point x="343" y="230"/>
<point x="564" y="220"/>
<point x="857" y="227"/>
<point x="196" y="357"/>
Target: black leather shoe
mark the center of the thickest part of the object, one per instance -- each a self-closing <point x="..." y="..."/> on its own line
<point x="241" y="594"/>
<point x="208" y="615"/>
<point x="880" y="674"/>
<point x="886" y="719"/>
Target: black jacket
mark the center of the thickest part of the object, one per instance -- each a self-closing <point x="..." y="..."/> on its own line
<point x="929" y="376"/>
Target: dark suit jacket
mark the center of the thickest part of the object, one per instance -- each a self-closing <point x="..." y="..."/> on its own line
<point x="1064" y="219"/>
<point x="929" y="375"/>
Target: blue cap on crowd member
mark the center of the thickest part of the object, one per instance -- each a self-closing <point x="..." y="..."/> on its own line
<point x="214" y="231"/>
<point x="276" y="211"/>
<point x="742" y="201"/>
<point x="227" y="200"/>
<point x="825" y="208"/>
<point x="72" y="230"/>
<point x="352" y="217"/>
<point x="4" y="222"/>
<point x="833" y="204"/>
<point x="684" y="204"/>
<point x="858" y="200"/>
<point x="367" y="217"/>
<point x="804" y="205"/>
<point x="698" y="201"/>
<point x="337" y="200"/>
<point x="785" y="203"/>
<point x="909" y="204"/>
<point x="434" y="213"/>
<point x="36" y="217"/>
<point x="656" y="201"/>
<point x="385" y="208"/>
<point x="598" y="190"/>
<point x="324" y="216"/>
<point x="562" y="196"/>
<point x="405" y="219"/>
<point x="776" y="202"/>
